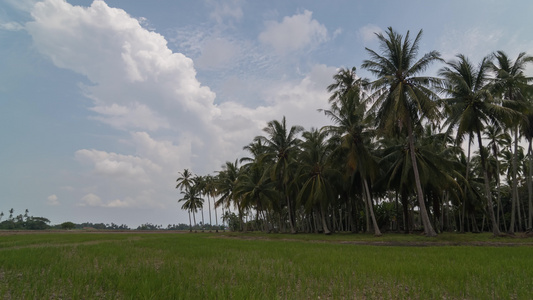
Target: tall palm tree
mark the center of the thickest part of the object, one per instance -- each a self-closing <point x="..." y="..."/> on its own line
<point x="185" y="181"/>
<point x="510" y="84"/>
<point x="471" y="107"/>
<point x="226" y="185"/>
<point x="497" y="138"/>
<point x="316" y="173"/>
<point x="401" y="97"/>
<point x="348" y="114"/>
<point x="528" y="134"/>
<point x="192" y="202"/>
<point x="209" y="191"/>
<point x="281" y="146"/>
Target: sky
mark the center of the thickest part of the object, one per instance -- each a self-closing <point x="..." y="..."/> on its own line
<point x="103" y="103"/>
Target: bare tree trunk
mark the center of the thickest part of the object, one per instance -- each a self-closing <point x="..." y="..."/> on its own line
<point x="463" y="214"/>
<point x="495" y="229"/>
<point x="530" y="188"/>
<point x="377" y="232"/>
<point x="209" y="207"/>
<point x="514" y="190"/>
<point x="428" y="229"/>
<point x="216" y="218"/>
<point x="190" y="224"/>
<point x="324" y="224"/>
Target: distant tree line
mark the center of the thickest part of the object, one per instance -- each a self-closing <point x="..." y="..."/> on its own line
<point x="21" y="221"/>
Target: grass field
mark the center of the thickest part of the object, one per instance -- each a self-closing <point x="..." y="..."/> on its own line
<point x="82" y="265"/>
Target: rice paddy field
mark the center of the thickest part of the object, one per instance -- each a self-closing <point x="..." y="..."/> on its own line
<point x="134" y="265"/>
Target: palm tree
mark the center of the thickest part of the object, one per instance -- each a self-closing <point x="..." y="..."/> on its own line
<point x="510" y="83"/>
<point x="470" y="107"/>
<point x="402" y="98"/>
<point x="209" y="190"/>
<point x="192" y="202"/>
<point x="185" y="180"/>
<point x="348" y="114"/>
<point x="226" y="184"/>
<point x="528" y="134"/>
<point x="281" y="146"/>
<point x="317" y="173"/>
<point x="497" y="138"/>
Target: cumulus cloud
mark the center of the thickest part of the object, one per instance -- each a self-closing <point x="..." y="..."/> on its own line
<point x="294" y="33"/>
<point x="11" y="26"/>
<point x="93" y="200"/>
<point x="223" y="10"/>
<point x="141" y="87"/>
<point x="217" y="52"/>
<point x="473" y="42"/>
<point x="90" y="200"/>
<point x="368" y="32"/>
<point x="52" y="200"/>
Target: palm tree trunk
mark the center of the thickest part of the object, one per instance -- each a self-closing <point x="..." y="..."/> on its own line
<point x="216" y="218"/>
<point x="428" y="229"/>
<point x="209" y="207"/>
<point x="194" y="217"/>
<point x="190" y="224"/>
<point x="495" y="228"/>
<point x="463" y="214"/>
<point x="530" y="188"/>
<point x="203" y="223"/>
<point x="377" y="232"/>
<point x="514" y="190"/>
<point x="324" y="223"/>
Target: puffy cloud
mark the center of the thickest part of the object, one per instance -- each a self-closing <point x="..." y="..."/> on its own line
<point x="140" y="86"/>
<point x="95" y="201"/>
<point x="52" y="200"/>
<point x="368" y="33"/>
<point x="11" y="26"/>
<point x="473" y="42"/>
<point x="118" y="166"/>
<point x="225" y="10"/>
<point x="294" y="33"/>
<point x="90" y="200"/>
<point x="217" y="52"/>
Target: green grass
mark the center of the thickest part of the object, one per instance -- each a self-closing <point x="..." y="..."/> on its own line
<point x="259" y="266"/>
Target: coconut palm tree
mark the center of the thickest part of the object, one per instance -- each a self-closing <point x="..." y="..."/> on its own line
<point x="281" y="146"/>
<point x="226" y="185"/>
<point x="510" y="84"/>
<point x="471" y="107"/>
<point x="497" y="138"/>
<point x="185" y="181"/>
<point x="348" y="115"/>
<point x="209" y="191"/>
<point x="316" y="173"/>
<point x="192" y="202"/>
<point x="401" y="98"/>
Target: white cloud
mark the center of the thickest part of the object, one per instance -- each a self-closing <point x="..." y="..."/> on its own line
<point x="226" y="9"/>
<point x="90" y="200"/>
<point x="474" y="42"/>
<point x="11" y="26"/>
<point x="294" y="33"/>
<point x="118" y="166"/>
<point x="93" y="200"/>
<point x="368" y="33"/>
<point x="140" y="86"/>
<point x="24" y="5"/>
<point x="52" y="200"/>
<point x="217" y="52"/>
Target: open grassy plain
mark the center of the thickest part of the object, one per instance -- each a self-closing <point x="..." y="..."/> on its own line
<point x="133" y="265"/>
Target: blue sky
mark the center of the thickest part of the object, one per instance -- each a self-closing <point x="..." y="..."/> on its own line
<point x="103" y="103"/>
